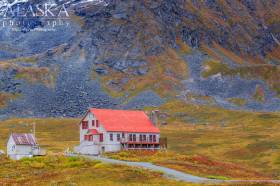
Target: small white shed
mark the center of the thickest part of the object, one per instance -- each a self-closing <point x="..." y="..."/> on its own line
<point x="22" y="145"/>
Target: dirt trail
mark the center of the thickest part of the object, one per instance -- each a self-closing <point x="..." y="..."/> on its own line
<point x="174" y="174"/>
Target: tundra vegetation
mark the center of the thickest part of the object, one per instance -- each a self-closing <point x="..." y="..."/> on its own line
<point x="6" y="97"/>
<point x="59" y="170"/>
<point x="230" y="145"/>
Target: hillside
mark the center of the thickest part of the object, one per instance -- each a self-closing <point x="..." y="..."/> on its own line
<point x="134" y="54"/>
<point x="210" y="67"/>
<point x="241" y="150"/>
<point x="59" y="170"/>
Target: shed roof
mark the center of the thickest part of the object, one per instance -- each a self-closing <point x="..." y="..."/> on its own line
<point x="24" y="139"/>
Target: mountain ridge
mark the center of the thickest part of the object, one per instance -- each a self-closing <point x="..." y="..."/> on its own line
<point x="136" y="54"/>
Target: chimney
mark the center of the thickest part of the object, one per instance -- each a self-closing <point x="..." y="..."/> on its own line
<point x="154" y="117"/>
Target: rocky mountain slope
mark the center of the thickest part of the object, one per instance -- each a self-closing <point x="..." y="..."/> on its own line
<point x="132" y="54"/>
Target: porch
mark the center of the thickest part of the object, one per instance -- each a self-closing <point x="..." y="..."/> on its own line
<point x="139" y="146"/>
<point x="143" y="145"/>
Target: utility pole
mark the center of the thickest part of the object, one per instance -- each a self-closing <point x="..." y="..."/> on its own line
<point x="34" y="129"/>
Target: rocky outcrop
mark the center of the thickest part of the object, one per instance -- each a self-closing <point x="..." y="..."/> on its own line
<point x="105" y="48"/>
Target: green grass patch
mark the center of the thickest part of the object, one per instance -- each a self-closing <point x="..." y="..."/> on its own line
<point x="238" y="101"/>
<point x="42" y="75"/>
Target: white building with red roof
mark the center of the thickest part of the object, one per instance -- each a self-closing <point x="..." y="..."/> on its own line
<point x="22" y="145"/>
<point x="106" y="130"/>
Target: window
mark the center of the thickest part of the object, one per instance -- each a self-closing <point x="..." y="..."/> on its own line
<point x="144" y="137"/>
<point x="130" y="137"/>
<point x="118" y="137"/>
<point x="97" y="123"/>
<point x="134" y="137"/>
<point x="123" y="135"/>
<point x="151" y="138"/>
<point x="111" y="137"/>
<point x="101" y="137"/>
<point x="84" y="125"/>
<point x="90" y="138"/>
<point x="93" y="123"/>
<point x="141" y="138"/>
<point x="154" y="138"/>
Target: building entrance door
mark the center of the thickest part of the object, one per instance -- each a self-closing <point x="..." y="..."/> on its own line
<point x="102" y="150"/>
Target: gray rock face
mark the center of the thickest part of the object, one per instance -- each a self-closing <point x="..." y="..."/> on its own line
<point x="146" y="98"/>
<point x="143" y="70"/>
<point x="120" y="38"/>
<point x="75" y="90"/>
<point x="23" y="44"/>
<point x="7" y="84"/>
<point x="223" y="88"/>
<point x="101" y="71"/>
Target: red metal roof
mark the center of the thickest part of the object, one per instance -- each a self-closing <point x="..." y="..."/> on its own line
<point x="24" y="139"/>
<point x="124" y="121"/>
<point x="92" y="132"/>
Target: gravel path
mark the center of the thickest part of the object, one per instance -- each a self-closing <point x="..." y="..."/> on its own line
<point x="174" y="174"/>
<point x="170" y="173"/>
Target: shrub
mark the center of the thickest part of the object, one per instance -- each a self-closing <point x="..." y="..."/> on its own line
<point x="77" y="162"/>
<point x="25" y="159"/>
<point x="100" y="165"/>
<point x="71" y="159"/>
<point x="37" y="165"/>
<point x="73" y="164"/>
<point x="218" y="177"/>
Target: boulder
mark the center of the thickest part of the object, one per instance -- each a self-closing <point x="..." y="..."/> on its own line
<point x="101" y="71"/>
